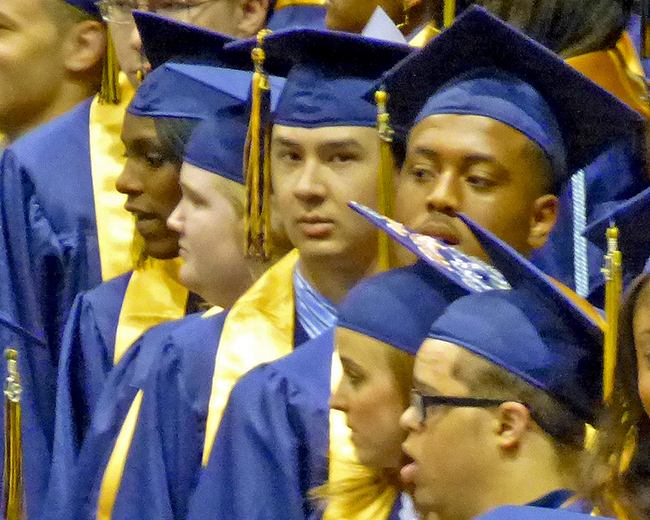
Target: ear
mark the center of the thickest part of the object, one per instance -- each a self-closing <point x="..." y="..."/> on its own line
<point x="253" y="17"/>
<point x="544" y="215"/>
<point x="513" y="422"/>
<point x="85" y="46"/>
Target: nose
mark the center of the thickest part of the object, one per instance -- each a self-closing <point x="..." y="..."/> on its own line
<point x="128" y="182"/>
<point x="309" y="186"/>
<point x="339" y="399"/>
<point x="135" y="42"/>
<point x="176" y="221"/>
<point x="444" y="197"/>
<point x="409" y="421"/>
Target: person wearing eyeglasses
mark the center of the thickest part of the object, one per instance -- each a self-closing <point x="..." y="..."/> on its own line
<point x="503" y="387"/>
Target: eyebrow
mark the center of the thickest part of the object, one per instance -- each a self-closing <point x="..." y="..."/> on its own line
<point x="472" y="158"/>
<point x="425" y="388"/>
<point x="345" y="361"/>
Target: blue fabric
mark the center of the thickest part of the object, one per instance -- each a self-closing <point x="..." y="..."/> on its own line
<point x="89" y="6"/>
<point x="272" y="444"/>
<point x="87" y="352"/>
<point x="296" y="16"/>
<point x="48" y="253"/>
<point x="398" y="307"/>
<point x="499" y="95"/>
<point x="120" y="388"/>
<point x="588" y="117"/>
<point x="328" y="74"/>
<point x="314" y="312"/>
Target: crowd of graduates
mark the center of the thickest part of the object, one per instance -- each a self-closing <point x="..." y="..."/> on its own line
<point x="339" y="259"/>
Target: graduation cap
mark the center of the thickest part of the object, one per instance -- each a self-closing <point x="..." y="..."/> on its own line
<point x="481" y="66"/>
<point x="88" y="6"/>
<point x="399" y="305"/>
<point x="328" y="74"/>
<point x="633" y="222"/>
<point x="291" y="14"/>
<point x="165" y="40"/>
<point x="217" y="144"/>
<point x="538" y="330"/>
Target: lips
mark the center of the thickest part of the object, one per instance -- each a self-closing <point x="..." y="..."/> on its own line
<point x="315" y="226"/>
<point x="440" y="231"/>
<point x="408" y="471"/>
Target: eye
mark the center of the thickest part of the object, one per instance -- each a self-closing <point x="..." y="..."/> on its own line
<point x="155" y="160"/>
<point x="343" y="158"/>
<point x="480" y="181"/>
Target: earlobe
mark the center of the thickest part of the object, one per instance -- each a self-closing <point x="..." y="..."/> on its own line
<point x="85" y="46"/>
<point x="253" y="17"/>
<point x="544" y="215"/>
<point x="513" y="422"/>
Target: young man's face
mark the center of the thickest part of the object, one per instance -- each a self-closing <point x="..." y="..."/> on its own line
<point x="451" y="451"/>
<point x="31" y="62"/>
<point x="150" y="180"/>
<point x="315" y="173"/>
<point x="480" y="167"/>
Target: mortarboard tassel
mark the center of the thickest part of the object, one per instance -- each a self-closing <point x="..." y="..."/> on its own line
<point x="109" y="93"/>
<point x="449" y="13"/>
<point x="12" y="488"/>
<point x="613" y="289"/>
<point x="256" y="161"/>
<point x="386" y="186"/>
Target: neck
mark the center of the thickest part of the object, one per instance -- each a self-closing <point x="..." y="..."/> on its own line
<point x="68" y="96"/>
<point x="334" y="278"/>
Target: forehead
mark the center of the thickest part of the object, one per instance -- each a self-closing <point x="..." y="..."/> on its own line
<point x="138" y="128"/>
<point x="468" y="135"/>
<point x="363" y="350"/>
<point x="434" y="368"/>
<point x="359" y="135"/>
<point x="18" y="10"/>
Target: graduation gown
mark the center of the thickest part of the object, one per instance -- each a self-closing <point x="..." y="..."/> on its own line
<point x="271" y="447"/>
<point x="102" y="326"/>
<point x="55" y="184"/>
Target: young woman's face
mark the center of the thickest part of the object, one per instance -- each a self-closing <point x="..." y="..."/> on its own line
<point x="642" y="343"/>
<point x="370" y="396"/>
<point x="211" y="234"/>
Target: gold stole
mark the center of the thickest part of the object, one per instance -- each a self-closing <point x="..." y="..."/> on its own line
<point x="618" y="71"/>
<point x="115" y="225"/>
<point x="343" y="460"/>
<point x="259" y="328"/>
<point x="424" y="36"/>
<point x="153" y="296"/>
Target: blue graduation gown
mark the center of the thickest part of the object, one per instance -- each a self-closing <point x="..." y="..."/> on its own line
<point x="48" y="253"/>
<point x="85" y="361"/>
<point x="272" y="444"/>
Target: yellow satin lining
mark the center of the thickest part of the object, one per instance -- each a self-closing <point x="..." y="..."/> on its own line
<point x="114" y="224"/>
<point x="342" y="455"/>
<point x="281" y="4"/>
<point x="115" y="467"/>
<point x="618" y="71"/>
<point x="258" y="329"/>
<point x="153" y="296"/>
<point x="428" y="33"/>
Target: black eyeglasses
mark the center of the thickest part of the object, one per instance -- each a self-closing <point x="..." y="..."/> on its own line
<point x="422" y="402"/>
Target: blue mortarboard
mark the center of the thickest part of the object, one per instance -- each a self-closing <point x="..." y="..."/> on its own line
<point x="398" y="306"/>
<point x="481" y="66"/>
<point x="217" y="144"/>
<point x="328" y="74"/>
<point x="88" y="6"/>
<point x="533" y="513"/>
<point x="534" y="331"/>
<point x="632" y="217"/>
<point x="290" y="14"/>
<point x="538" y="330"/>
<point x="165" y="40"/>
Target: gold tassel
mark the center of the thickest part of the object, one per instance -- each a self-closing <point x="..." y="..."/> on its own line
<point x="645" y="29"/>
<point x="449" y="13"/>
<point x="257" y="220"/>
<point x="613" y="289"/>
<point x="110" y="93"/>
<point x="13" y="460"/>
<point x="386" y="185"/>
